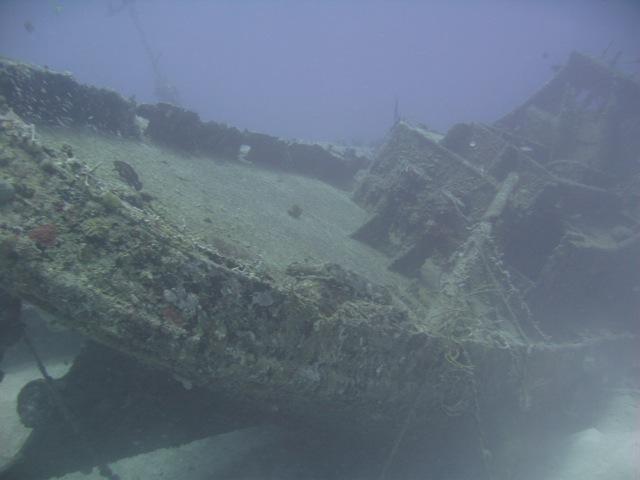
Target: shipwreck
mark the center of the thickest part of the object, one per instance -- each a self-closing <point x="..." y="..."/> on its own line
<point x="479" y="275"/>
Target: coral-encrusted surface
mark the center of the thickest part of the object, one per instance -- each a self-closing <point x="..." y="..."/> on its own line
<point x="43" y="96"/>
<point x="334" y="338"/>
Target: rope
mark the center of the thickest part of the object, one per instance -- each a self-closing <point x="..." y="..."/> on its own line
<point x="153" y="58"/>
<point x="164" y="91"/>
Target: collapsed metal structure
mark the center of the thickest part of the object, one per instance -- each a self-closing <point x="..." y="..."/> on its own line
<point x="567" y="231"/>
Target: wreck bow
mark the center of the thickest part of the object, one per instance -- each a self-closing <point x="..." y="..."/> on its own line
<point x="317" y="343"/>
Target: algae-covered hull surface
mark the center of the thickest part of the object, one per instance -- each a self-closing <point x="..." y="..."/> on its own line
<point x="468" y="283"/>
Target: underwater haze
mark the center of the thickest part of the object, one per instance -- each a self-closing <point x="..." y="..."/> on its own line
<point x="323" y="70"/>
<point x="319" y="240"/>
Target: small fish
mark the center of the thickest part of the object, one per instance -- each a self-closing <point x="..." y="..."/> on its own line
<point x="128" y="174"/>
<point x="28" y="26"/>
